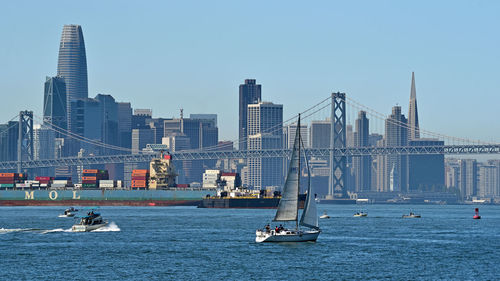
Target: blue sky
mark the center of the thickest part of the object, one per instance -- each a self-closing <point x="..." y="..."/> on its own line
<point x="193" y="54"/>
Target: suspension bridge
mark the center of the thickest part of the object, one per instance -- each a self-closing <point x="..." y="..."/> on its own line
<point x="335" y="104"/>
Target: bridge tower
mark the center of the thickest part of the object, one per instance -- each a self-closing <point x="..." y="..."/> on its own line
<point x="25" y="138"/>
<point x="338" y="164"/>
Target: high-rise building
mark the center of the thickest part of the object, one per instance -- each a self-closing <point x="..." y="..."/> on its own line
<point x="124" y="125"/>
<point x="487" y="180"/>
<point x="140" y="138"/>
<point x="265" y="131"/>
<point x="362" y="165"/>
<point x="426" y="171"/>
<point x="396" y="134"/>
<point x="250" y="93"/>
<point x="43" y="142"/>
<point x="413" y="129"/>
<point x="55" y="104"/>
<point x="319" y="134"/>
<point x="468" y="178"/>
<point x="8" y="141"/>
<point x="72" y="66"/>
<point x="289" y="135"/>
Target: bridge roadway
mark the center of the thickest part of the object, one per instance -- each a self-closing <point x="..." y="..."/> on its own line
<point x="236" y="154"/>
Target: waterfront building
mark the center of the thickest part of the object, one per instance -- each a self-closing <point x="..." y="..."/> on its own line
<point x="362" y="165"/>
<point x="452" y="173"/>
<point x="250" y="93"/>
<point x="265" y="131"/>
<point x="72" y="66"/>
<point x="487" y="181"/>
<point x="468" y="178"/>
<point x="55" y="104"/>
<point x="413" y="128"/>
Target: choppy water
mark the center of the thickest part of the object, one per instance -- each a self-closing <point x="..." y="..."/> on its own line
<point x="185" y="243"/>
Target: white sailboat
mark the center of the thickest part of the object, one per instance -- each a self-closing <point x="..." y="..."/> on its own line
<point x="288" y="208"/>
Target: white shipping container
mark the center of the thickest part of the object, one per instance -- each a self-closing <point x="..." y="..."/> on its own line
<point x="106" y="185"/>
<point x="60" y="182"/>
<point x="107" y="181"/>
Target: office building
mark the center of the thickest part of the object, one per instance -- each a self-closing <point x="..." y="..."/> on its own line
<point x="487" y="181"/>
<point x="72" y="66"/>
<point x="250" y="93"/>
<point x="362" y="165"/>
<point x="468" y="178"/>
<point x="289" y="135"/>
<point x="319" y="134"/>
<point x="426" y="172"/>
<point x="124" y="125"/>
<point x="55" y="104"/>
<point x="265" y="131"/>
<point x="396" y="134"/>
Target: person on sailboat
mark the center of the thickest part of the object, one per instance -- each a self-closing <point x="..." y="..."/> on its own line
<point x="268" y="229"/>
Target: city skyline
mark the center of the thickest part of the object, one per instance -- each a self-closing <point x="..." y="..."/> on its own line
<point x="377" y="82"/>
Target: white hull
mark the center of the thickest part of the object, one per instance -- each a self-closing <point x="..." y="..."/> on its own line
<point x="87" y="228"/>
<point x="324" y="217"/>
<point x="67" y="216"/>
<point x="286" y="236"/>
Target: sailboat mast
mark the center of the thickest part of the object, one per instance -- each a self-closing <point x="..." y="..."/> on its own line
<point x="298" y="177"/>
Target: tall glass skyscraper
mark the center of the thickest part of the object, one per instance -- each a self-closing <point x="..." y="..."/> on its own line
<point x="72" y="66"/>
<point x="54" y="103"/>
<point x="250" y="93"/>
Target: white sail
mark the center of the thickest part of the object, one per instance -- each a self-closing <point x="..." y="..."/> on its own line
<point x="310" y="214"/>
<point x="288" y="206"/>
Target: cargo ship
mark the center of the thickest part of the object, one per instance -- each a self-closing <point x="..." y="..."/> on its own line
<point x="153" y="187"/>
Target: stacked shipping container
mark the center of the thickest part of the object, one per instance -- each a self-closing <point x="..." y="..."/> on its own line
<point x="140" y="178"/>
<point x="9" y="180"/>
<point x="91" y="178"/>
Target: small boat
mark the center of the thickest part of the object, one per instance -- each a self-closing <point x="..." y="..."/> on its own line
<point x="324" y="216"/>
<point x="91" y="221"/>
<point x="288" y="207"/>
<point x="411" y="215"/>
<point x="477" y="216"/>
<point x="68" y="213"/>
<point x="361" y="214"/>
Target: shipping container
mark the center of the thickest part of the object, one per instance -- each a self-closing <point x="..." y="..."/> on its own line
<point x="91" y="171"/>
<point x="89" y="178"/>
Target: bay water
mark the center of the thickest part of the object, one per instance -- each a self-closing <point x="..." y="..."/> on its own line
<point x="187" y="243"/>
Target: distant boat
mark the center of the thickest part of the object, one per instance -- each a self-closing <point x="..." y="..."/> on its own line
<point x="411" y="215"/>
<point x="361" y="214"/>
<point x="324" y="216"/>
<point x="288" y="207"/>
<point x="68" y="213"/>
<point x="477" y="216"/>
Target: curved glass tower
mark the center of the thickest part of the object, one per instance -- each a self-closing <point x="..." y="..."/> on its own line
<point x="72" y="65"/>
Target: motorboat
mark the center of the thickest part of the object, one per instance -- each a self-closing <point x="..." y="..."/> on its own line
<point x="288" y="207"/>
<point x="360" y="214"/>
<point x="411" y="215"/>
<point x="324" y="216"/>
<point x="477" y="216"/>
<point x="69" y="213"/>
<point x="90" y="222"/>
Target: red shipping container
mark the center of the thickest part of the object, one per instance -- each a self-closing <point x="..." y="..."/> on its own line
<point x="43" y="178"/>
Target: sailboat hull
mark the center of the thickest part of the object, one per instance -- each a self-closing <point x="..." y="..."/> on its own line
<point x="286" y="236"/>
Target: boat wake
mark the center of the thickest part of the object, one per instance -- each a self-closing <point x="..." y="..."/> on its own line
<point x="110" y="227"/>
<point x="10" y="230"/>
<point x="56" y="230"/>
